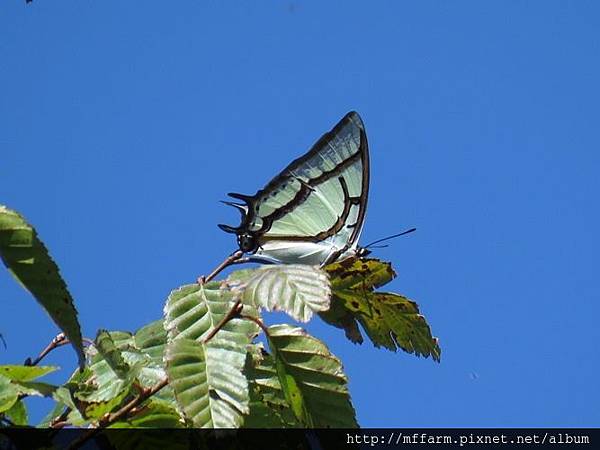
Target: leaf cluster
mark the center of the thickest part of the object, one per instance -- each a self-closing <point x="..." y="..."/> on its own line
<point x="204" y="364"/>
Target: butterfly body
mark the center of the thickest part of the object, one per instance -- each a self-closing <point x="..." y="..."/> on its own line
<point x="313" y="211"/>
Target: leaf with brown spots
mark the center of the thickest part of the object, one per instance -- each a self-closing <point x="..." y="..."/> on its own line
<point x="27" y="258"/>
<point x="390" y="320"/>
<point x="364" y="273"/>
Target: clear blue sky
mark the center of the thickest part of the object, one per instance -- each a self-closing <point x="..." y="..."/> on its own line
<point x="123" y="123"/>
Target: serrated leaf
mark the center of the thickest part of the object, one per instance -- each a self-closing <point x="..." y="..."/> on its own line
<point x="353" y="274"/>
<point x="111" y="354"/>
<point x="25" y="373"/>
<point x="8" y="394"/>
<point x="151" y="339"/>
<point x="207" y="378"/>
<point x="18" y="413"/>
<point x="94" y="410"/>
<point x="340" y="317"/>
<point x="390" y="320"/>
<point x="364" y="273"/>
<point x="268" y="406"/>
<point x="295" y="289"/>
<point x="142" y="368"/>
<point x="155" y="413"/>
<point x="35" y="388"/>
<point x="27" y="258"/>
<point x="209" y="386"/>
<point x="63" y="398"/>
<point x="311" y="378"/>
<point x="238" y="277"/>
<point x="193" y="311"/>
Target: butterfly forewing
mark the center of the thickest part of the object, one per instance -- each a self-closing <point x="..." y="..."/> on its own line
<point x="320" y="198"/>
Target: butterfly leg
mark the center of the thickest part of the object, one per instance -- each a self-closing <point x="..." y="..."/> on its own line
<point x="235" y="257"/>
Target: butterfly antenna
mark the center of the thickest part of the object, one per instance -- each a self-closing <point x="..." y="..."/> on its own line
<point x="379" y="246"/>
<point x="389" y="237"/>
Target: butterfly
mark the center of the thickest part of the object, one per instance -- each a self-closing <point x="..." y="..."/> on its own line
<point x="313" y="211"/>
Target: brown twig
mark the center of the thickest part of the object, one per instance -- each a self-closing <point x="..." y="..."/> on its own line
<point x="233" y="312"/>
<point x="59" y="340"/>
<point x="257" y="321"/>
<point x="133" y="406"/>
<point x="231" y="259"/>
<point x="61" y="420"/>
<point x="60" y="424"/>
<point x="124" y="411"/>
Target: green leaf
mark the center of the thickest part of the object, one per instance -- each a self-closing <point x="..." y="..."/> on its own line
<point x="28" y="260"/>
<point x="295" y="289"/>
<point x="18" y="413"/>
<point x="104" y="384"/>
<point x="25" y="373"/>
<point x="94" y="409"/>
<point x="111" y="354"/>
<point x="193" y="311"/>
<point x="311" y="378"/>
<point x="55" y="412"/>
<point x="207" y="378"/>
<point x="239" y="277"/>
<point x="155" y="413"/>
<point x="390" y="320"/>
<point x="109" y="379"/>
<point x="8" y="394"/>
<point x="208" y="382"/>
<point x="63" y="398"/>
<point x="64" y="395"/>
<point x="35" y="388"/>
<point x="132" y="366"/>
<point x="151" y="339"/>
<point x="268" y="406"/>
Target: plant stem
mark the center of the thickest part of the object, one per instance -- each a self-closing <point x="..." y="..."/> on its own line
<point x="258" y="322"/>
<point x="60" y="421"/>
<point x="111" y="418"/>
<point x="132" y="406"/>
<point x="59" y="340"/>
<point x="235" y="256"/>
<point x="233" y="312"/>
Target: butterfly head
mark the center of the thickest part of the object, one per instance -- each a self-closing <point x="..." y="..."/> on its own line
<point x="247" y="242"/>
<point x="362" y="252"/>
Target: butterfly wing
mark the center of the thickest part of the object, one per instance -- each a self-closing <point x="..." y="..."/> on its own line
<point x="313" y="211"/>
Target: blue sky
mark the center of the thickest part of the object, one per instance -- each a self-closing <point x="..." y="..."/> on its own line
<point x="122" y="125"/>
